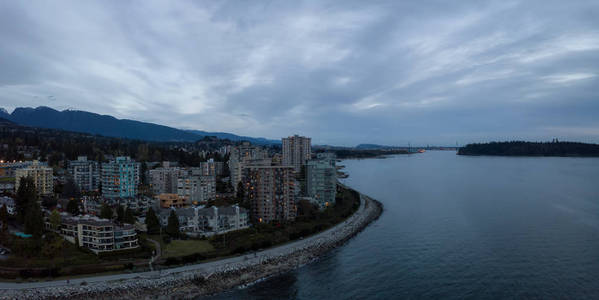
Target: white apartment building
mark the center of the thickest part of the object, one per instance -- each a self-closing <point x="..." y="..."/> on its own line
<point x="321" y="182"/>
<point x="98" y="235"/>
<point x="208" y="221"/>
<point x="9" y="203"/>
<point x="164" y="180"/>
<point x="196" y="189"/>
<point x="85" y="173"/>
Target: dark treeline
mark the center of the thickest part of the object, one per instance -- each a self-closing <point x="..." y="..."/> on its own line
<point x="55" y="145"/>
<point x="357" y="153"/>
<point x="520" y="148"/>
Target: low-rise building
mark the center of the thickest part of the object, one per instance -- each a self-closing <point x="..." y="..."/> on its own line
<point x="91" y="205"/>
<point x="188" y="218"/>
<point x="225" y="218"/>
<point x="208" y="221"/>
<point x="171" y="200"/>
<point x="9" y="203"/>
<point x="327" y="156"/>
<point x="8" y="169"/>
<point x="97" y="235"/>
<point x="7" y="187"/>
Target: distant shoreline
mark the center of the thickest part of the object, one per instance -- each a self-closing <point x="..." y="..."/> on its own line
<point x="531" y="149"/>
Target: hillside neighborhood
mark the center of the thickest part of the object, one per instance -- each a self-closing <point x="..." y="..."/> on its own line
<point x="131" y="206"/>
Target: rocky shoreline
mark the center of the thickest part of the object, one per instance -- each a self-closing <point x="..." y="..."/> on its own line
<point x="194" y="283"/>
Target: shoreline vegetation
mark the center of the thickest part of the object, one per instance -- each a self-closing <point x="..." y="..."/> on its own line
<point x="370" y="153"/>
<point x="218" y="276"/>
<point x="521" y="148"/>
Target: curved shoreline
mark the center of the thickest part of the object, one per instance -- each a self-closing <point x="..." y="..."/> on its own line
<point x="213" y="277"/>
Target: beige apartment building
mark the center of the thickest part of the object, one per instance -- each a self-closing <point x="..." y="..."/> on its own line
<point x="296" y="151"/>
<point x="42" y="176"/>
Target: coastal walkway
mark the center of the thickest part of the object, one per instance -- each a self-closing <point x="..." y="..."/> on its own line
<point x="206" y="267"/>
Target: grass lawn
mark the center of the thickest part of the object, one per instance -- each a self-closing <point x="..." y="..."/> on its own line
<point x="69" y="255"/>
<point x="185" y="247"/>
<point x="7" y="179"/>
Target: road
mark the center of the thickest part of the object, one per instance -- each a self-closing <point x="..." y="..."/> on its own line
<point x="208" y="267"/>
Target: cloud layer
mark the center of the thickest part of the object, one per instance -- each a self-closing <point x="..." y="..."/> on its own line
<point x="343" y="72"/>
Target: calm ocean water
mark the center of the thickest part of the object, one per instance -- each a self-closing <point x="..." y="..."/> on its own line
<point x="459" y="227"/>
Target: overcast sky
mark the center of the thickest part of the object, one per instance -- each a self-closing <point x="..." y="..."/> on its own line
<point x="387" y="72"/>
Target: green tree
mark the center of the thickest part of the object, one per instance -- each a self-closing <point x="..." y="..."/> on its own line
<point x="120" y="213"/>
<point x="54" y="159"/>
<point x="25" y="195"/>
<point x="152" y="222"/>
<point x="142" y="173"/>
<point x="55" y="220"/>
<point x="106" y="212"/>
<point x="173" y="225"/>
<point x="52" y="246"/>
<point x="240" y="192"/>
<point x="73" y="207"/>
<point x="34" y="221"/>
<point x="70" y="189"/>
<point x="4" y="218"/>
<point x="129" y="217"/>
<point x="143" y="152"/>
<point x="156" y="156"/>
<point x="241" y="197"/>
<point x="49" y="202"/>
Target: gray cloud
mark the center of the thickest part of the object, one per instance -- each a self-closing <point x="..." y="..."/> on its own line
<point x="342" y="72"/>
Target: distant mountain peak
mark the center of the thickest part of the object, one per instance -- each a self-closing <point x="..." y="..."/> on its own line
<point x="93" y="123"/>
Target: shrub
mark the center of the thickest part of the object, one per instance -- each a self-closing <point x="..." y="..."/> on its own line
<point x="192" y="258"/>
<point x="172" y="261"/>
<point x="25" y="273"/>
<point x="239" y="250"/>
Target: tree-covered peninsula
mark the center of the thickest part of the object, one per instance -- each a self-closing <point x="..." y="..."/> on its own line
<point x="521" y="148"/>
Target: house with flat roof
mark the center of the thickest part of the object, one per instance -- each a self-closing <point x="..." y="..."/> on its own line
<point x="96" y="234"/>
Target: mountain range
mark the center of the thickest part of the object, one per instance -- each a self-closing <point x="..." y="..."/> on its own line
<point x="88" y="122"/>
